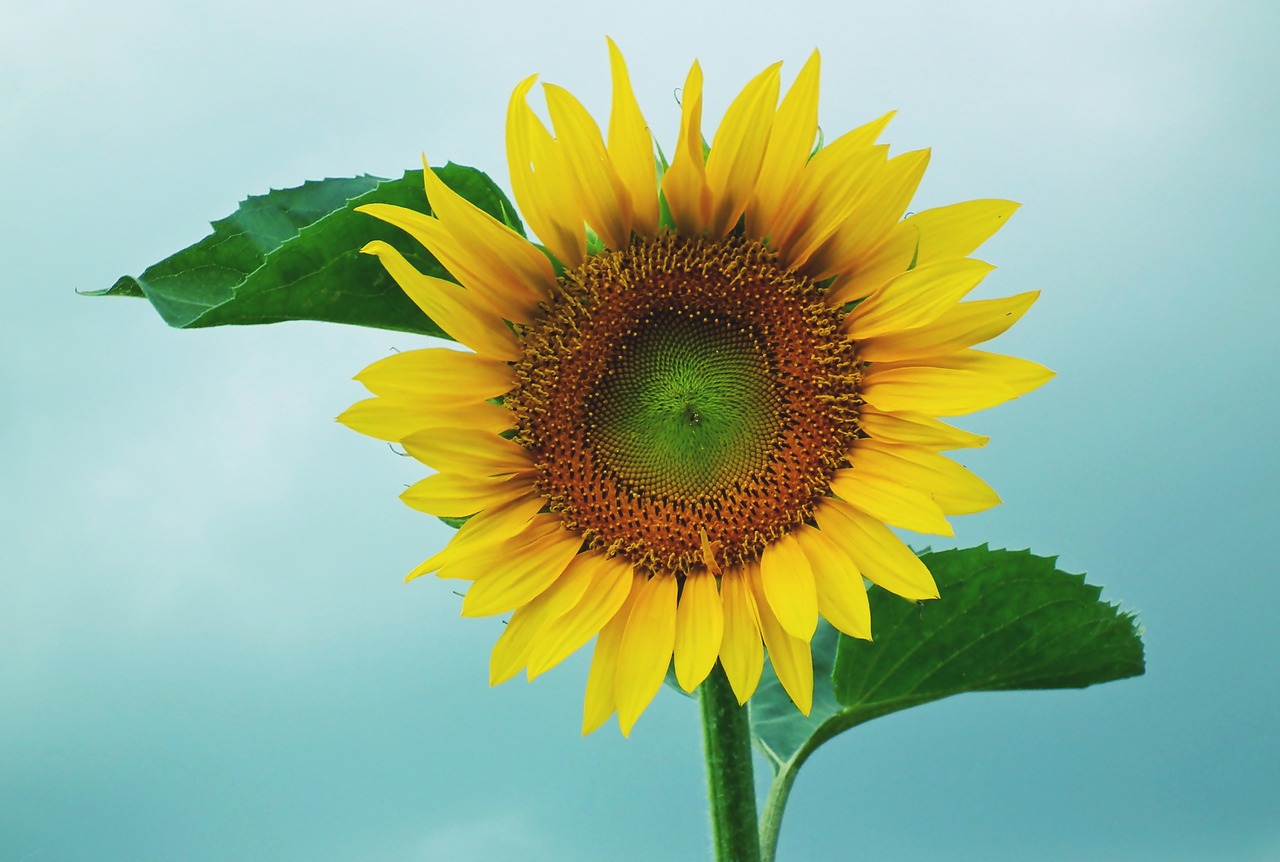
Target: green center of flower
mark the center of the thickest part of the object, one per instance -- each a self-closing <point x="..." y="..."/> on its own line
<point x="688" y="404"/>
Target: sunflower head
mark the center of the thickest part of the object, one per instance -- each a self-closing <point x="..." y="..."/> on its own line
<point x="690" y="436"/>
<point x="682" y="387"/>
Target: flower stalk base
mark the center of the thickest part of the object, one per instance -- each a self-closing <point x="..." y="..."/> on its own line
<point x="726" y="734"/>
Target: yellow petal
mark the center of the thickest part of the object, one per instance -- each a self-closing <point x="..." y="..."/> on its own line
<point x="954" y="489"/>
<point x="926" y="237"/>
<point x="523" y="572"/>
<point x="788" y="585"/>
<point x="878" y="211"/>
<point x="496" y="524"/>
<point x="611" y="581"/>
<point x="527" y="623"/>
<point x="958" y="229"/>
<point x="961" y="326"/>
<point x="845" y="160"/>
<point x="601" y="195"/>
<point x="699" y="629"/>
<point x="601" y="692"/>
<point x="790" y="656"/>
<point x="875" y="550"/>
<point x="916" y="429"/>
<point x="631" y="149"/>
<point x="1020" y="375"/>
<point x="889" y="499"/>
<point x="393" y="419"/>
<point x="685" y="182"/>
<point x="645" y="653"/>
<point x="465" y="317"/>
<point x="864" y="136"/>
<point x="842" y="595"/>
<point x="512" y="646"/>
<point x="790" y="144"/>
<point x="538" y="180"/>
<point x="935" y="391"/>
<point x="520" y="158"/>
<point x="741" y="650"/>
<point x="862" y="276"/>
<point x="486" y="530"/>
<point x="491" y="535"/>
<point x="738" y="149"/>
<point x="893" y="193"/>
<point x="915" y="298"/>
<point x="457" y="495"/>
<point x="833" y="186"/>
<point x="832" y="183"/>
<point x="464" y="450"/>
<point x="440" y="375"/>
<point x="709" y="550"/>
<point x="508" y="297"/>
<point x="583" y="574"/>
<point x="498" y="251"/>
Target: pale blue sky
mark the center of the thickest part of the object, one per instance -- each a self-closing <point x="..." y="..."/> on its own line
<point x="206" y="650"/>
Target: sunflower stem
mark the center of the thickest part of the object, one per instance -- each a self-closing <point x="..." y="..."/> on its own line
<point x="731" y="788"/>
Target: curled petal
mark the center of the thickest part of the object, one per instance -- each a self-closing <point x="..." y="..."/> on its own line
<point x="685" y="182"/>
<point x="631" y="149"/>
<point x="467" y="318"/>
<point x="539" y="179"/>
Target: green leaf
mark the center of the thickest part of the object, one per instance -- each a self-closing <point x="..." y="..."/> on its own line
<point x="1006" y="620"/>
<point x="293" y="254"/>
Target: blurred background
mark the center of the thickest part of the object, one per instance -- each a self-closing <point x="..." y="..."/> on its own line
<point x="206" y="649"/>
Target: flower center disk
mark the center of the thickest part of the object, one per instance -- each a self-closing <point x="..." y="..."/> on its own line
<point x="683" y="385"/>
<point x="686" y="406"/>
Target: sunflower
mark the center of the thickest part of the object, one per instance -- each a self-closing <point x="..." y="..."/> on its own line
<point x="688" y="420"/>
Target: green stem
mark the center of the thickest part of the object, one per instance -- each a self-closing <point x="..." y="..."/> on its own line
<point x="726" y="736"/>
<point x="771" y="820"/>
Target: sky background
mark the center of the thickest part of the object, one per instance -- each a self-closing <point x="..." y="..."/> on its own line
<point x="206" y="649"/>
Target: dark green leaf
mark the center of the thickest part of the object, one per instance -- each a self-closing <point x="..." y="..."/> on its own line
<point x="293" y="254"/>
<point x="1006" y="620"/>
